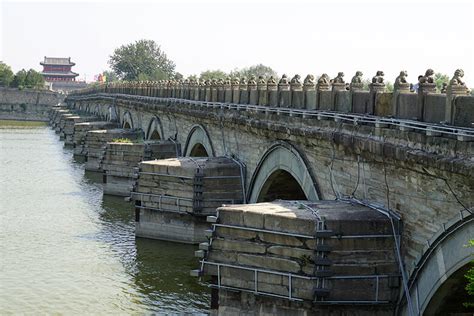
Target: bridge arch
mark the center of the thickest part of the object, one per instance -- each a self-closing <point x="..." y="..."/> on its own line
<point x="155" y="129"/>
<point x="283" y="172"/>
<point x="127" y="121"/>
<point x="445" y="260"/>
<point x="198" y="143"/>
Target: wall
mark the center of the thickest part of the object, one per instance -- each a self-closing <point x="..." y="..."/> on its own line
<point x="31" y="105"/>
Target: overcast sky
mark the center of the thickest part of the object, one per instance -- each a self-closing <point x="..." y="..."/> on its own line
<point x="290" y="36"/>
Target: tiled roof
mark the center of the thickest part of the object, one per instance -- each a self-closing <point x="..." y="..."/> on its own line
<point x="57" y="61"/>
<point x="70" y="73"/>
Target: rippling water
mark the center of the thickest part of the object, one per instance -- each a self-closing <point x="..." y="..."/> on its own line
<point x="65" y="249"/>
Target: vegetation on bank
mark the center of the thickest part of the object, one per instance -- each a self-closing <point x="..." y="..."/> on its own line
<point x="470" y="279"/>
<point x="22" y="79"/>
<point x="125" y="141"/>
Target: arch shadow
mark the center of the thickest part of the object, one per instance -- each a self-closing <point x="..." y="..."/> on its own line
<point x="198" y="135"/>
<point x="155" y="129"/>
<point x="127" y="120"/>
<point x="285" y="157"/>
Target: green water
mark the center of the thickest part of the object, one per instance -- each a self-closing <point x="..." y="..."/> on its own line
<point x="66" y="249"/>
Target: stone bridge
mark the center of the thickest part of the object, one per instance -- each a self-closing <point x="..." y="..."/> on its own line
<point x="392" y="155"/>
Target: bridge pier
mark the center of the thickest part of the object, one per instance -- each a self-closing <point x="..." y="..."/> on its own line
<point x="96" y="141"/>
<point x="174" y="196"/>
<point x="121" y="160"/>
<point x="301" y="258"/>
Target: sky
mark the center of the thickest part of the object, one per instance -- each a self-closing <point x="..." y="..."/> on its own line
<point x="290" y="36"/>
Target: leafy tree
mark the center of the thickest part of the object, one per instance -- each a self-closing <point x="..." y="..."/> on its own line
<point x="142" y="60"/>
<point x="213" y="74"/>
<point x="34" y="79"/>
<point x="110" y="76"/>
<point x="256" y="70"/>
<point x="178" y="76"/>
<point x="192" y="77"/>
<point x="19" y="80"/>
<point x="6" y="75"/>
<point x="440" y="79"/>
<point x="389" y="86"/>
<point x="470" y="278"/>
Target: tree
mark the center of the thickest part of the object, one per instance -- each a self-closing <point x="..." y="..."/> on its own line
<point x="6" y="75"/>
<point x="213" y="74"/>
<point x="142" y="60"/>
<point x="470" y="279"/>
<point x="34" y="79"/>
<point x="19" y="80"/>
<point x="110" y="76"/>
<point x="255" y="70"/>
<point x="440" y="79"/>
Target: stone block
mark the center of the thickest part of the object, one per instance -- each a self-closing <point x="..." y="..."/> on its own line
<point x="408" y="106"/>
<point x="383" y="104"/>
<point x="291" y="252"/>
<point x="434" y="109"/>
<point x="360" y="101"/>
<point x="310" y="99"/>
<point x="238" y="246"/>
<point x="266" y="262"/>
<point x="343" y="101"/>
<point x="280" y="239"/>
<point x="297" y="99"/>
<point x="463" y="112"/>
<point x="325" y="101"/>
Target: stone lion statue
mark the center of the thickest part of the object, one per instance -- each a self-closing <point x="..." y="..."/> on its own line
<point x="296" y="79"/>
<point x="457" y="78"/>
<point x="261" y="80"/>
<point x="357" y="77"/>
<point x="323" y="80"/>
<point x="252" y="80"/>
<point x="401" y="80"/>
<point x="271" y="81"/>
<point x="283" y="80"/>
<point x="309" y="80"/>
<point x="378" y="78"/>
<point x="428" y="77"/>
<point x="339" y="78"/>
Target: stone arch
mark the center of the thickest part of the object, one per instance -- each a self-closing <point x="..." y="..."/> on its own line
<point x="155" y="129"/>
<point x="111" y="114"/>
<point x="283" y="162"/>
<point x="127" y="121"/>
<point x="197" y="142"/>
<point x="445" y="257"/>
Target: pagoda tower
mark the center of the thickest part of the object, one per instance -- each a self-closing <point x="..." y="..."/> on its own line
<point x="58" y="69"/>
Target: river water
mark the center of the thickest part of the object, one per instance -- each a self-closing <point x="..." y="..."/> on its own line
<point x="66" y="249"/>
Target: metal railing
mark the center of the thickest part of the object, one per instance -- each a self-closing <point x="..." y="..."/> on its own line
<point x="431" y="129"/>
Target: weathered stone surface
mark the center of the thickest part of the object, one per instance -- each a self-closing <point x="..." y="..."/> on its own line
<point x="360" y="101"/>
<point x="238" y="246"/>
<point x="325" y="100"/>
<point x="408" y="107"/>
<point x="291" y="252"/>
<point x="434" y="109"/>
<point x="343" y="101"/>
<point x="383" y="104"/>
<point x="266" y="262"/>
<point x="463" y="111"/>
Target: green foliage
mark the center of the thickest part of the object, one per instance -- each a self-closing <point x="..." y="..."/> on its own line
<point x="122" y="140"/>
<point x="34" y="79"/>
<point x="6" y="75"/>
<point x="192" y="77"/>
<point x="389" y="86"/>
<point x="470" y="278"/>
<point x="142" y="60"/>
<point x="213" y="74"/>
<point x="440" y="79"/>
<point x="110" y="76"/>
<point x="19" y="81"/>
<point x="255" y="70"/>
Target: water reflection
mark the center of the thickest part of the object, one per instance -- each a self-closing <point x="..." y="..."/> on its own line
<point x="67" y="249"/>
